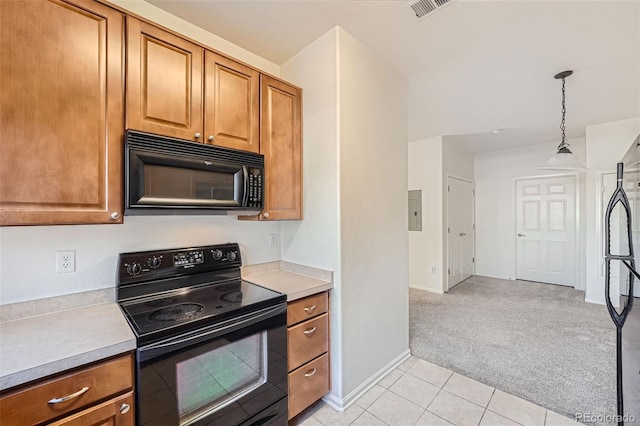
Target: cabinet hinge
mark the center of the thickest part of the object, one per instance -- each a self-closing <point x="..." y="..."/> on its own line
<point x="473" y="191"/>
<point x="449" y="271"/>
<point x="448" y="188"/>
<point x="448" y="230"/>
<point x="473" y="260"/>
<point x="473" y="226"/>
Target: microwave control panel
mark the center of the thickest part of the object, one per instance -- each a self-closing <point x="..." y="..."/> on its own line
<point x="255" y="187"/>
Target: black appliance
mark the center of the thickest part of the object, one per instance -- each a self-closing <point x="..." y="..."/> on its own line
<point x="211" y="348"/>
<point x="621" y="287"/>
<point x="172" y="176"/>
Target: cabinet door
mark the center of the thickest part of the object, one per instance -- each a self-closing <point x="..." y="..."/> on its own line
<point x="115" y="412"/>
<point x="231" y="108"/>
<point x="281" y="145"/>
<point x="164" y="82"/>
<point x="61" y="112"/>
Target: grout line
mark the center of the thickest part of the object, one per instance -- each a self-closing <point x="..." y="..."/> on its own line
<point x="367" y="411"/>
<point x="411" y="402"/>
<point x="502" y="415"/>
<point x="546" y="412"/>
<point x="372" y="402"/>
<point x="482" y="417"/>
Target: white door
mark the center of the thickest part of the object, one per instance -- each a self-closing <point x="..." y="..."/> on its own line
<point x="460" y="236"/>
<point x="546" y="230"/>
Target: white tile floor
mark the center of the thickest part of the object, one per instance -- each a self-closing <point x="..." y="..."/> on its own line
<point x="424" y="394"/>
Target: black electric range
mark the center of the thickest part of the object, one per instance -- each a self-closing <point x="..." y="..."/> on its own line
<point x="169" y="292"/>
<point x="210" y="345"/>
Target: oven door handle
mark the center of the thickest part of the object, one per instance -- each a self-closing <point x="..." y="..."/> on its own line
<point x="160" y="348"/>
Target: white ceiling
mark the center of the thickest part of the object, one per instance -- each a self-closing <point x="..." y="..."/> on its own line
<point x="474" y="65"/>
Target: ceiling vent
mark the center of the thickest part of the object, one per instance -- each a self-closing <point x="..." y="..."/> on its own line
<point x="424" y="8"/>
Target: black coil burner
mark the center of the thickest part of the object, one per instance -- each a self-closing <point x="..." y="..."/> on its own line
<point x="176" y="312"/>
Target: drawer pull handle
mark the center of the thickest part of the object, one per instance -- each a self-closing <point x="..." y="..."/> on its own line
<point x="310" y="331"/>
<point x="310" y="309"/>
<point x="124" y="409"/>
<point x="68" y="397"/>
<point x="311" y="372"/>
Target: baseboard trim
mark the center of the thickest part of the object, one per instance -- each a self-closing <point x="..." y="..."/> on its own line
<point x="594" y="301"/>
<point x="340" y="405"/>
<point x="429" y="289"/>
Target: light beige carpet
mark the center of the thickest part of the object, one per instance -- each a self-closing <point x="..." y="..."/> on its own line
<point x="538" y="341"/>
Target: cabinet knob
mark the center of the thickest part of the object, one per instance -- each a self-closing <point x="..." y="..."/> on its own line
<point x="212" y="138"/>
<point x="197" y="135"/>
<point x="266" y="214"/>
<point x="115" y="215"/>
<point x="124" y="409"/>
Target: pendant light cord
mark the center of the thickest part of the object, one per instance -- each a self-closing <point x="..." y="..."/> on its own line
<point x="564" y="143"/>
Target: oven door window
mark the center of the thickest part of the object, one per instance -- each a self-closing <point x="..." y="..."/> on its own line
<point x="196" y="383"/>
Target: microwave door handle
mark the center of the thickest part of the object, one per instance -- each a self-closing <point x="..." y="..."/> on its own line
<point x="245" y="196"/>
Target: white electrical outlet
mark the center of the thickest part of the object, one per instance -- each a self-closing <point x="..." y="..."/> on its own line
<point x="433" y="269"/>
<point x="65" y="261"/>
<point x="273" y="241"/>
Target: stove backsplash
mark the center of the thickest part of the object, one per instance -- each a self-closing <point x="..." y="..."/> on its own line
<point x="28" y="254"/>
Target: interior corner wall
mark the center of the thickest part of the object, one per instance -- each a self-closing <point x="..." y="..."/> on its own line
<point x="495" y="172"/>
<point x="373" y="219"/>
<point x="315" y="240"/>
<point x="172" y="22"/>
<point x="425" y="173"/>
<point x="606" y="144"/>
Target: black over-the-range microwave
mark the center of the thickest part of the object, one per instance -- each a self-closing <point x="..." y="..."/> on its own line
<point x="166" y="176"/>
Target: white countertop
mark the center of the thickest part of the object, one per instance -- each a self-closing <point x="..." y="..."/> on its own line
<point x="38" y="346"/>
<point x="47" y="336"/>
<point x="296" y="281"/>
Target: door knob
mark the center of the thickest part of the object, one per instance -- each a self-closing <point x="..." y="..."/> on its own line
<point x="462" y="234"/>
<point x="522" y="235"/>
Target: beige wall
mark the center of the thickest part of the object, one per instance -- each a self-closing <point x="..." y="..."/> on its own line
<point x="355" y="172"/>
<point x="426" y="246"/>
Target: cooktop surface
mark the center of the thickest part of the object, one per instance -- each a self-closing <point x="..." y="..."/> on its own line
<point x="200" y="306"/>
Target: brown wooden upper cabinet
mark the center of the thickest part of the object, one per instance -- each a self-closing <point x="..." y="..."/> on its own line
<point x="61" y="112"/>
<point x="231" y="107"/>
<point x="281" y="146"/>
<point x="166" y="76"/>
<point x="164" y="82"/>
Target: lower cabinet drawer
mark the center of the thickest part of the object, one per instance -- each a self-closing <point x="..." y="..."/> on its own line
<point x="307" y="340"/>
<point x="78" y="389"/>
<point x="116" y="412"/>
<point x="307" y="384"/>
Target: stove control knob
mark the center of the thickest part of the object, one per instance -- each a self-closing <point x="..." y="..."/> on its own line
<point x="217" y="254"/>
<point x="154" y="262"/>
<point x="231" y="256"/>
<point x="134" y="268"/>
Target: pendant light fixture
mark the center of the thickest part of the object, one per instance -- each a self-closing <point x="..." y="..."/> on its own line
<point x="564" y="159"/>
